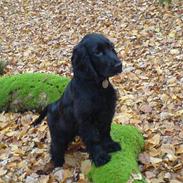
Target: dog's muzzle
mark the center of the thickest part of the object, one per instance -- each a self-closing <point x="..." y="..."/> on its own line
<point x="118" y="68"/>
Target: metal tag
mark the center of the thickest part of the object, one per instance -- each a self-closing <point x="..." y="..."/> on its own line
<point x="105" y="83"/>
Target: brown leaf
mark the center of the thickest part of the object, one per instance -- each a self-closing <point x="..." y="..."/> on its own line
<point x="44" y="179"/>
<point x="150" y="174"/>
<point x="60" y="174"/>
<point x="144" y="158"/>
<point x="3" y="171"/>
<point x="179" y="150"/>
<point x="175" y="181"/>
<point x="155" y="140"/>
<point x="146" y="108"/>
<point x="155" y="160"/>
<point x="85" y="167"/>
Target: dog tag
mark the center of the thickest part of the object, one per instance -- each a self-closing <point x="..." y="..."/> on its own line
<point x="105" y="83"/>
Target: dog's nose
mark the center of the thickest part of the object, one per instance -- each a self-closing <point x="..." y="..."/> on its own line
<point x="118" y="67"/>
<point x="119" y="64"/>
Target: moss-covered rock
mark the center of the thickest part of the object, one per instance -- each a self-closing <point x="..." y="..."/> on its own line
<point x="123" y="164"/>
<point x="30" y="91"/>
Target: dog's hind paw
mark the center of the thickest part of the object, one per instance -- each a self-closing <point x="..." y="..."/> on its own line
<point x="57" y="162"/>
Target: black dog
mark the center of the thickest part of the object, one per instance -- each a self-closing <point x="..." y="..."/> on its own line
<point x="88" y="103"/>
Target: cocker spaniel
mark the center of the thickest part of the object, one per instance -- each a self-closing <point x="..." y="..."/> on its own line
<point x="87" y="107"/>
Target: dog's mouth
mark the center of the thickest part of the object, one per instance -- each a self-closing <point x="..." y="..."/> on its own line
<point x="112" y="71"/>
<point x="117" y="69"/>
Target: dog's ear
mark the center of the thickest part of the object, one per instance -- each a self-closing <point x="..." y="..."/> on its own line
<point x="82" y="64"/>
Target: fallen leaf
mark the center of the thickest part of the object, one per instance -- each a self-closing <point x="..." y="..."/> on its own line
<point x="44" y="179"/>
<point x="146" y="108"/>
<point x="179" y="150"/>
<point x="155" y="160"/>
<point x="137" y="176"/>
<point x="144" y="158"/>
<point x="174" y="51"/>
<point x="155" y="140"/>
<point x="85" y="167"/>
<point x="59" y="174"/>
<point x="2" y="172"/>
<point x="150" y="174"/>
<point x="175" y="181"/>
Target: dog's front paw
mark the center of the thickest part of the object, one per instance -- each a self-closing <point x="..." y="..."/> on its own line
<point x="101" y="159"/>
<point x="112" y="147"/>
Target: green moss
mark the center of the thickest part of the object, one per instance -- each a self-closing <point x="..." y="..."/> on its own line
<point x="165" y="1"/>
<point x="30" y="91"/>
<point x="123" y="163"/>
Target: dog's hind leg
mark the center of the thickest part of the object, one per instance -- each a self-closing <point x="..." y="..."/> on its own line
<point x="61" y="136"/>
<point x="57" y="150"/>
<point x="60" y="140"/>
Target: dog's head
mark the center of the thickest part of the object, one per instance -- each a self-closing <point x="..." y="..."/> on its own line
<point x="95" y="58"/>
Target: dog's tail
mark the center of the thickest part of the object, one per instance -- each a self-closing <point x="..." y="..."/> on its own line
<point x="41" y="117"/>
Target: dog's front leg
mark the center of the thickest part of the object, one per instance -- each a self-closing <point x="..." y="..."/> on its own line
<point x="108" y="144"/>
<point x="90" y="135"/>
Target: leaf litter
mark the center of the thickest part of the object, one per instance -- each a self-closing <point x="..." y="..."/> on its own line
<point x="38" y="36"/>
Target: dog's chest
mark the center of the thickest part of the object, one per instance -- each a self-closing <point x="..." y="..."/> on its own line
<point x="105" y="100"/>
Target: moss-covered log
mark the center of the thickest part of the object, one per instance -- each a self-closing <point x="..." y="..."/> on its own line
<point x="30" y="91"/>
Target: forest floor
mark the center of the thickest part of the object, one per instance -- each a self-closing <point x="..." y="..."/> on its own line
<point x="38" y="36"/>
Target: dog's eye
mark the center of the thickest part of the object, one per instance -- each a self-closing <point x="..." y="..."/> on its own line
<point x="111" y="45"/>
<point x="98" y="53"/>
